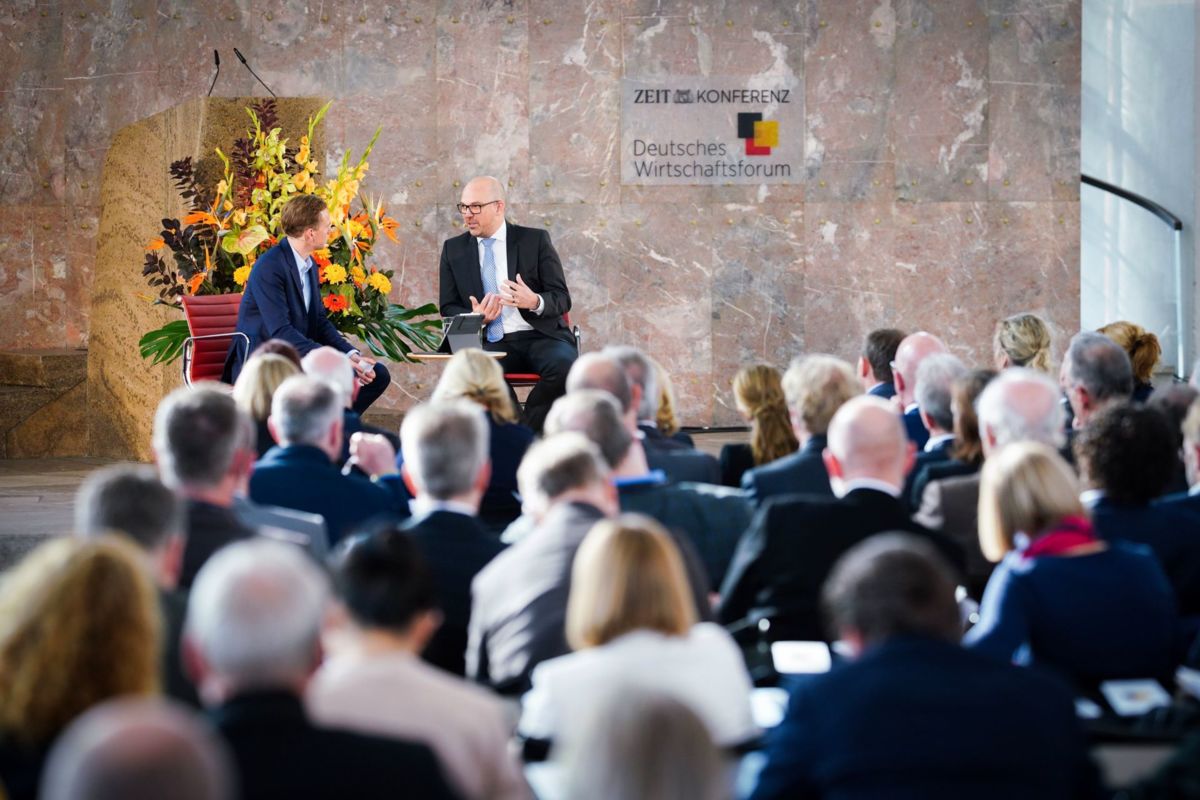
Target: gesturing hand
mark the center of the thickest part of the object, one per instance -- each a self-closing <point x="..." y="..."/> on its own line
<point x="490" y="307"/>
<point x="517" y="293"/>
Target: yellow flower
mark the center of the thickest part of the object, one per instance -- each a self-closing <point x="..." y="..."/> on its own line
<point x="228" y="206"/>
<point x="241" y="275"/>
<point x="379" y="282"/>
<point x="354" y="227"/>
<point x="302" y="156"/>
<point x="303" y="181"/>
<point x="222" y="187"/>
<point x="358" y="275"/>
<point x="239" y="217"/>
<point x="335" y="273"/>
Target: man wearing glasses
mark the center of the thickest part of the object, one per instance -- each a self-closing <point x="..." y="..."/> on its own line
<point x="512" y="276"/>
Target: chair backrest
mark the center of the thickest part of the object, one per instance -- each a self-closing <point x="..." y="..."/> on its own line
<point x="213" y="316"/>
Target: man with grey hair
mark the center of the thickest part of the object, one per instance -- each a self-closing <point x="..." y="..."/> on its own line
<point x="519" y="600"/>
<point x="511" y="275"/>
<point x="446" y="468"/>
<point x="252" y="642"/>
<point x="204" y="446"/>
<point x="138" y="749"/>
<point x="302" y="473"/>
<point x="1021" y="405"/>
<point x="705" y="520"/>
<point x="131" y="501"/>
<point x="935" y="390"/>
<point x="904" y="713"/>
<point x="1095" y="374"/>
<point x="678" y="459"/>
<point x="786" y="554"/>
<point x="333" y="366"/>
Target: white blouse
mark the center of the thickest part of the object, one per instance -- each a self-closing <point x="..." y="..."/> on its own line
<point x="703" y="670"/>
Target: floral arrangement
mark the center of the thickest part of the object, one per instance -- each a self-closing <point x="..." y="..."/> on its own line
<point x="230" y="224"/>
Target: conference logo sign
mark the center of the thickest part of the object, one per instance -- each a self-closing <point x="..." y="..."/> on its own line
<point x="709" y="131"/>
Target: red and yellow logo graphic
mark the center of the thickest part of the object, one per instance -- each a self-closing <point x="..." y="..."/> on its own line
<point x="759" y="134"/>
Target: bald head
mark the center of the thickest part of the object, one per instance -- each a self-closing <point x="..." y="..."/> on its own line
<point x="138" y="749"/>
<point x="333" y="367"/>
<point x="604" y="373"/>
<point x="867" y="440"/>
<point x="485" y="185"/>
<point x="913" y="350"/>
<point x="1021" y="405"/>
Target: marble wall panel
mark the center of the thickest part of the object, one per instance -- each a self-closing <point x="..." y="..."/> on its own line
<point x="919" y="115"/>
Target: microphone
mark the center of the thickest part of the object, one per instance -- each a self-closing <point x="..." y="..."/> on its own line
<point x="242" y="59"/>
<point x="217" y="61"/>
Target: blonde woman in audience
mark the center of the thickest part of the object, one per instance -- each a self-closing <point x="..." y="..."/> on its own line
<point x="1144" y="352"/>
<point x="1061" y="597"/>
<point x="758" y="393"/>
<point x="255" y="387"/>
<point x="631" y="620"/>
<point x="79" y="625"/>
<point x="473" y="375"/>
<point x="1022" y="340"/>
<point x="668" y="423"/>
<point x="640" y="745"/>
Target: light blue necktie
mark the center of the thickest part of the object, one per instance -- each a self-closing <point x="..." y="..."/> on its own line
<point x="304" y="286"/>
<point x="495" y="328"/>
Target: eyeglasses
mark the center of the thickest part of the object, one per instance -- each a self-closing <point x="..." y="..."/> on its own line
<point x="474" y="208"/>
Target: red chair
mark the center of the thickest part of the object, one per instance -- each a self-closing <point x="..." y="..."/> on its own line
<point x="212" y="323"/>
<point x="524" y="380"/>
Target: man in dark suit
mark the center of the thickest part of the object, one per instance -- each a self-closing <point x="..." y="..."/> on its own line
<point x="282" y="300"/>
<point x="1126" y="455"/>
<point x="302" y="473"/>
<point x="704" y="520"/>
<point x="787" y="552"/>
<point x="815" y="387"/>
<point x="519" y="600"/>
<point x="912" y="351"/>
<point x="335" y="367"/>
<point x="935" y="386"/>
<point x="446" y="468"/>
<point x="914" y="714"/>
<point x="875" y="363"/>
<point x="681" y="462"/>
<point x="251" y="643"/>
<point x="512" y="276"/>
<point x="204" y="446"/>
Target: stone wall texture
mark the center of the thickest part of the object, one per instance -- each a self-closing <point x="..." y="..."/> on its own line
<point x="941" y="158"/>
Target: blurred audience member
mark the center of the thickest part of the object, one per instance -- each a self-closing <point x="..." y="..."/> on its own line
<point x="966" y="454"/>
<point x="252" y="642"/>
<point x="915" y="348"/>
<point x="1143" y="350"/>
<point x="1174" y="400"/>
<point x="631" y="620"/>
<point x="78" y="625"/>
<point x="335" y="368"/>
<point x="374" y="681"/>
<point x="935" y="401"/>
<point x="279" y="347"/>
<point x="1022" y="340"/>
<point x="139" y="750"/>
<point x="1051" y="601"/>
<point x="758" y="394"/>
<point x="667" y="419"/>
<point x="638" y="745"/>
<point x="256" y="385"/>
<point x="815" y="387"/>
<point x="915" y="715"/>
<point x="1095" y="374"/>
<point x="875" y="363"/>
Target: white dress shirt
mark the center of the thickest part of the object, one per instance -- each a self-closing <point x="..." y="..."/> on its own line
<point x="510" y="316"/>
<point x="703" y="670"/>
<point x="399" y="696"/>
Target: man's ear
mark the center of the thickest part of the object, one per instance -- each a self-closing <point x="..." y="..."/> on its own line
<point x="195" y="667"/>
<point x="832" y="465"/>
<point x="899" y="382"/>
<point x="635" y="398"/>
<point x="423" y="626"/>
<point x="406" y="476"/>
<point x="864" y="368"/>
<point x="910" y="456"/>
<point x="170" y="560"/>
<point x="484" y="477"/>
<point x="925" y="419"/>
<point x="273" y="427"/>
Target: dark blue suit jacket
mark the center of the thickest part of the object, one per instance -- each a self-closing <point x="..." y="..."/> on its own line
<point x="918" y="434"/>
<point x="1170" y="528"/>
<point x="302" y="477"/>
<point x="273" y="308"/>
<point x="803" y="472"/>
<point x="919" y="718"/>
<point x="937" y="455"/>
<point x="885" y="390"/>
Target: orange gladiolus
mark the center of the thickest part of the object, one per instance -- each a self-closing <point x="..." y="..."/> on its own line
<point x="389" y="226"/>
<point x="194" y="284"/>
<point x="156" y="244"/>
<point x="201" y="216"/>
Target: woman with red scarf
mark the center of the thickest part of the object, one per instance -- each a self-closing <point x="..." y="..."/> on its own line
<point x="1061" y="597"/>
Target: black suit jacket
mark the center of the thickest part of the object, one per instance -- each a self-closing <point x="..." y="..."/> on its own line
<point x="680" y="462"/>
<point x="1169" y="527"/>
<point x="919" y="718"/>
<point x="802" y="472"/>
<point x="786" y="554"/>
<point x="925" y="458"/>
<point x="209" y="528"/>
<point x="281" y="754"/>
<point x="530" y="255"/>
<point x="273" y="308"/>
<point x="456" y="547"/>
